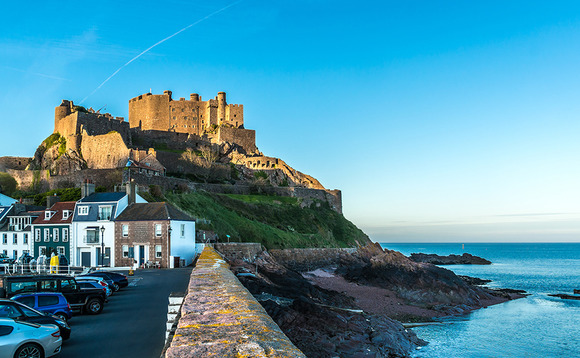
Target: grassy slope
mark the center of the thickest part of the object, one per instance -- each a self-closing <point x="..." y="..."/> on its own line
<point x="276" y="222"/>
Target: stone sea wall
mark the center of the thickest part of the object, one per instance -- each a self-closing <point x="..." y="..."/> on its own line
<point x="220" y="318"/>
<point x="310" y="259"/>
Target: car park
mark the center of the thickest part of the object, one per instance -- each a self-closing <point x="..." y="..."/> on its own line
<point x="23" y="339"/>
<point x="22" y="313"/>
<point x="49" y="302"/>
<point x="89" y="301"/>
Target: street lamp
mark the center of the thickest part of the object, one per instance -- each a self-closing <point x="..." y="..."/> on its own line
<point x="103" y="246"/>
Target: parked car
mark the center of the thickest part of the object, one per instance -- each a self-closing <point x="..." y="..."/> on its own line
<point x="49" y="302"/>
<point x="86" y="284"/>
<point x="4" y="259"/>
<point x="107" y="281"/>
<point x="120" y="280"/>
<point x="90" y="301"/>
<point x="20" y="339"/>
<point x="20" y="312"/>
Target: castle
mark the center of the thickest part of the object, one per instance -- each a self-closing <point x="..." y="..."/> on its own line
<point x="159" y="116"/>
<point x="156" y="140"/>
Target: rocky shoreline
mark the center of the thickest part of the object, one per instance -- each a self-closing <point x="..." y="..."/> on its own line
<point x="355" y="306"/>
<point x="465" y="259"/>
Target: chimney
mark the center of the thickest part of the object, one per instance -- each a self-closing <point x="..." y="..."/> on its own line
<point x="51" y="200"/>
<point x="87" y="188"/>
<point x="130" y="190"/>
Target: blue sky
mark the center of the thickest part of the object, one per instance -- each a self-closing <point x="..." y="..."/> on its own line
<point x="445" y="121"/>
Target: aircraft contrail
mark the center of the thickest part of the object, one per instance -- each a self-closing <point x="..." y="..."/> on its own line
<point x="159" y="43"/>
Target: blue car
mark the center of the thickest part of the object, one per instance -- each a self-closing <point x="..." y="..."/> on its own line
<point x="50" y="302"/>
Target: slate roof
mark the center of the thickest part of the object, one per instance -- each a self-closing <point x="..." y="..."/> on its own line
<point x="152" y="211"/>
<point x="6" y="200"/>
<point x="102" y="197"/>
<point x="58" y="208"/>
<point x="4" y="211"/>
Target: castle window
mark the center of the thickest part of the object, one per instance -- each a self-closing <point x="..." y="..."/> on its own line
<point x="173" y="110"/>
<point x="174" y="117"/>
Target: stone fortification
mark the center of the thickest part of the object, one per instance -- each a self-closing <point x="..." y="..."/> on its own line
<point x="193" y="116"/>
<point x="115" y="155"/>
<point x="220" y="318"/>
<point x="16" y="163"/>
<point x="303" y="260"/>
<point x="73" y="122"/>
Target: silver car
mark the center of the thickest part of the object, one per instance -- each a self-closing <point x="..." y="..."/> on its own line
<point x="28" y="340"/>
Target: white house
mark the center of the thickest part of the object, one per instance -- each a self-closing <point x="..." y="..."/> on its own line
<point x="93" y="228"/>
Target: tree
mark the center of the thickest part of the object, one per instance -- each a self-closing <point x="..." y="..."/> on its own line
<point x="7" y="184"/>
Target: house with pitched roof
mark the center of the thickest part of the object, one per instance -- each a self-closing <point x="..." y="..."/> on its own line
<point x="52" y="231"/>
<point x="94" y="227"/>
<point x="15" y="229"/>
<point x="154" y="234"/>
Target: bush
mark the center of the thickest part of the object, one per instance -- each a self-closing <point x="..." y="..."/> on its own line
<point x="260" y="174"/>
<point x="7" y="184"/>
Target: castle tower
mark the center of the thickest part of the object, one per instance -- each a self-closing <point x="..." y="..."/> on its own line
<point x="221" y="112"/>
<point x="60" y="112"/>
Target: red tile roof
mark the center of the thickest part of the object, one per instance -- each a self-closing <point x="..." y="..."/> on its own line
<point x="58" y="210"/>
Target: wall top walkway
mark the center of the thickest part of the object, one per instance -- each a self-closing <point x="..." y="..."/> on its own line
<point x="220" y="318"/>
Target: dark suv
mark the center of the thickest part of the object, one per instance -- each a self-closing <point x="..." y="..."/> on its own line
<point x="90" y="301"/>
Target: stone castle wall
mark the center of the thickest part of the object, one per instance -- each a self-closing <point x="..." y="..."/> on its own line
<point x="303" y="260"/>
<point x="106" y="151"/>
<point x="194" y="116"/>
<point x="246" y="138"/>
<point x="42" y="179"/>
<point x="17" y="163"/>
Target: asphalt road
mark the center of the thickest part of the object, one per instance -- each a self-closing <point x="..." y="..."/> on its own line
<point x="132" y="323"/>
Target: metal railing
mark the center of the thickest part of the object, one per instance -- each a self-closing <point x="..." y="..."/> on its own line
<point x="36" y="269"/>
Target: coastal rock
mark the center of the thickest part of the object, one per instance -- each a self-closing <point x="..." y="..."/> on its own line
<point x="565" y="296"/>
<point x="422" y="284"/>
<point x="322" y="323"/>
<point x="465" y="259"/>
<point x="476" y="281"/>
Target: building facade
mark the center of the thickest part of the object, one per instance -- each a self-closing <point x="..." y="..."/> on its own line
<point x="154" y="234"/>
<point x="15" y="232"/>
<point x="52" y="231"/>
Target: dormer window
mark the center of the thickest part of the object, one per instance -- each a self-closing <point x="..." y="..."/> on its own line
<point x="83" y="210"/>
<point x="65" y="214"/>
<point x="47" y="215"/>
<point x="105" y="212"/>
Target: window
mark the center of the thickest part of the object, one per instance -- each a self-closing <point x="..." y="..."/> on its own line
<point x="14" y="239"/>
<point x="47" y="215"/>
<point x="55" y="235"/>
<point x="158" y="251"/>
<point x="46" y="235"/>
<point x="105" y="213"/>
<point x="44" y="301"/>
<point x="131" y="252"/>
<point x="26" y="238"/>
<point x="68" y="286"/>
<point x="42" y="250"/>
<point x="182" y="230"/>
<point x="5" y="252"/>
<point x="157" y="229"/>
<point x="83" y="210"/>
<point x="60" y="250"/>
<point x="5" y="239"/>
<point x="65" y="214"/>
<point x="125" y="250"/>
<point x="22" y="287"/>
<point x="15" y="254"/>
<point x="65" y="235"/>
<point x="9" y="311"/>
<point x="125" y="230"/>
<point x="27" y="300"/>
<point x="37" y="235"/>
<point x="48" y="285"/>
<point x="92" y="236"/>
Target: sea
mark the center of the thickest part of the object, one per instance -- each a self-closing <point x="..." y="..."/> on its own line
<point x="535" y="326"/>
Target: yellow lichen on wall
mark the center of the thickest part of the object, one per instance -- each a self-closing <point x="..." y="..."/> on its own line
<point x="220" y="318"/>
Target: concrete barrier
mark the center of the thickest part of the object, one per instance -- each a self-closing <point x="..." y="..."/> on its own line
<point x="220" y="318"/>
